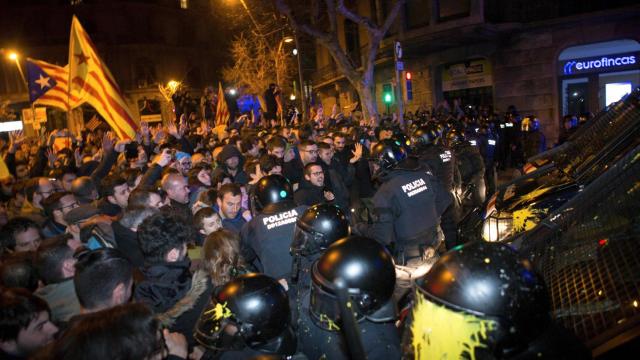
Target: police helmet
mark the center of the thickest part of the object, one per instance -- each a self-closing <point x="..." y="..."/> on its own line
<point x="403" y="140"/>
<point x="366" y="269"/>
<point x="455" y="137"/>
<point x="478" y="301"/>
<point x="272" y="190"/>
<point x="530" y="124"/>
<point x="388" y="153"/>
<point x="424" y="136"/>
<point x="250" y="311"/>
<point x="317" y="228"/>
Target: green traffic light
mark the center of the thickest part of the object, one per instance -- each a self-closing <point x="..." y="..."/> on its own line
<point x="387" y="98"/>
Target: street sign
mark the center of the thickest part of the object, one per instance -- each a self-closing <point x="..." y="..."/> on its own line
<point x="399" y="65"/>
<point x="398" y="50"/>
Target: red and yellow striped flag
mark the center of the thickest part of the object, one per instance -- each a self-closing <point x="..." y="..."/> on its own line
<point x="91" y="82"/>
<point x="222" y="112"/>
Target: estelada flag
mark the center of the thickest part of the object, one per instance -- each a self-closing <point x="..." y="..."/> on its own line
<point x="48" y="84"/>
<point x="91" y="81"/>
<point x="222" y="111"/>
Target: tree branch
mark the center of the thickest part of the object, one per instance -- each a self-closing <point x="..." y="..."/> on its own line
<point x="362" y="20"/>
<point x="391" y="17"/>
<point x="284" y="9"/>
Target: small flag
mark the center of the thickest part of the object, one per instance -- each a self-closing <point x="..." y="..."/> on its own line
<point x="47" y="84"/>
<point x="4" y="170"/>
<point x="93" y="123"/>
<point x="92" y="82"/>
<point x="222" y="111"/>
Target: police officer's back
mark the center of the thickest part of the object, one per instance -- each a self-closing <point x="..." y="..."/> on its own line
<point x="442" y="162"/>
<point x="265" y="240"/>
<point x="471" y="167"/>
<point x="408" y="204"/>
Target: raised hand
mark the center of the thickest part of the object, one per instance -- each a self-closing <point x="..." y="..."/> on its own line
<point x="357" y="153"/>
<point x="173" y="131"/>
<point x="51" y="157"/>
<point x="108" y="141"/>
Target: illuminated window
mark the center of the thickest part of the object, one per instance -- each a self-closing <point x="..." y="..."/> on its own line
<point x="76" y="2"/>
<point x="184" y="4"/>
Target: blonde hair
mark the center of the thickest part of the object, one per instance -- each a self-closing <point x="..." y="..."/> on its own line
<point x="221" y="256"/>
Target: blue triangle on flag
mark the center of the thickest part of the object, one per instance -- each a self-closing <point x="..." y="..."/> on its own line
<point x="39" y="81"/>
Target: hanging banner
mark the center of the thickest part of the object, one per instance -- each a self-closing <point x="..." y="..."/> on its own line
<point x="466" y="75"/>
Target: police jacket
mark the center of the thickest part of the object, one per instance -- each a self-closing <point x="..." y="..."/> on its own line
<point x="407" y="206"/>
<point x="470" y="162"/>
<point x="265" y="240"/>
<point x="381" y="340"/>
<point x="442" y="161"/>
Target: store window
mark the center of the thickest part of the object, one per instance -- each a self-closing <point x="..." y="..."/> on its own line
<point x="593" y="76"/>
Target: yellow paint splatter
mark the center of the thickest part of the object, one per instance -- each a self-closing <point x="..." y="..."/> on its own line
<point x="532" y="195"/>
<point x="439" y="333"/>
<point x="330" y="323"/>
<point x="527" y="218"/>
<point x="220" y="311"/>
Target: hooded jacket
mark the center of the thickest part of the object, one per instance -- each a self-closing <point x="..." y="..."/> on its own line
<point x="229" y="151"/>
<point x="164" y="285"/>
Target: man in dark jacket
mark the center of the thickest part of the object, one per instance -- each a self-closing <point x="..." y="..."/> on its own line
<point x="168" y="288"/>
<point x="312" y="189"/>
<point x="229" y="207"/>
<point x="293" y="169"/>
<point x="178" y="193"/>
<point x="230" y="161"/>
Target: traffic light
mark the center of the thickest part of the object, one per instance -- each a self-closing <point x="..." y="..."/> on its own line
<point x="387" y="94"/>
<point x="409" y="86"/>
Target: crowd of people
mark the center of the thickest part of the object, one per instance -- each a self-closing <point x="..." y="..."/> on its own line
<point x="233" y="241"/>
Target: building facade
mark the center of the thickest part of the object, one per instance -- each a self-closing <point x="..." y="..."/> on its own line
<point x="546" y="58"/>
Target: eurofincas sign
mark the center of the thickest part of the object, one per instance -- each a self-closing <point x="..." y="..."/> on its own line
<point x="598" y="64"/>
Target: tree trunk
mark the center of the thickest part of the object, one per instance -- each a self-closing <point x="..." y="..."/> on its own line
<point x="367" y="100"/>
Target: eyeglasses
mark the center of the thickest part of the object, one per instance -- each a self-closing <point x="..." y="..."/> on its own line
<point x="73" y="205"/>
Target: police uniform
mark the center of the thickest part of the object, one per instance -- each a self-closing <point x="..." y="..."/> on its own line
<point x="407" y="210"/>
<point x="265" y="240"/>
<point x="487" y="145"/>
<point x="471" y="167"/>
<point x="380" y="340"/>
<point x="442" y="162"/>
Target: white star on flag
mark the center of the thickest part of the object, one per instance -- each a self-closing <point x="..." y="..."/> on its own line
<point x="43" y="82"/>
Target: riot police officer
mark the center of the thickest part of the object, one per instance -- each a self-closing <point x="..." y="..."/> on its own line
<point x="487" y="144"/>
<point x="317" y="227"/>
<point x="248" y="317"/>
<point x="481" y="301"/>
<point x="366" y="270"/>
<point x="442" y="161"/>
<point x="265" y="240"/>
<point x="471" y="167"/>
<point x="407" y="209"/>
<point x="533" y="141"/>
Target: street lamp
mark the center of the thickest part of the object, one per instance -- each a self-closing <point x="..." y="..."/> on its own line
<point x="13" y="56"/>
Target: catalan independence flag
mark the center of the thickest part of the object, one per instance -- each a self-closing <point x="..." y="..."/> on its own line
<point x="222" y="111"/>
<point x="91" y="81"/>
<point x="48" y="84"/>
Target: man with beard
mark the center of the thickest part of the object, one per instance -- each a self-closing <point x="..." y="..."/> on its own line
<point x="230" y="161"/>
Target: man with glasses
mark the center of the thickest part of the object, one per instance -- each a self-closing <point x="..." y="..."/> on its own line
<point x="293" y="169"/>
<point x="312" y="190"/>
<point x="56" y="207"/>
<point x="36" y="189"/>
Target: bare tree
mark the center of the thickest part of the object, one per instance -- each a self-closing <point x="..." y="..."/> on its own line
<point x="256" y="65"/>
<point x="325" y="33"/>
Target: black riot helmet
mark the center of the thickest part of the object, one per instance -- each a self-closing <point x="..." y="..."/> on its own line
<point x="388" y="153"/>
<point x="479" y="300"/>
<point x="455" y="137"/>
<point x="272" y="191"/>
<point x="317" y="228"/>
<point x="250" y="311"/>
<point x="366" y="269"/>
<point x="423" y="136"/>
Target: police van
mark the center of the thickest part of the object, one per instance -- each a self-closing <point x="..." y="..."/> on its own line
<point x="587" y="252"/>
<point x="519" y="205"/>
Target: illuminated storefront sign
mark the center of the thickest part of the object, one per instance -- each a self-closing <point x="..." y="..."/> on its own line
<point x="598" y="64"/>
